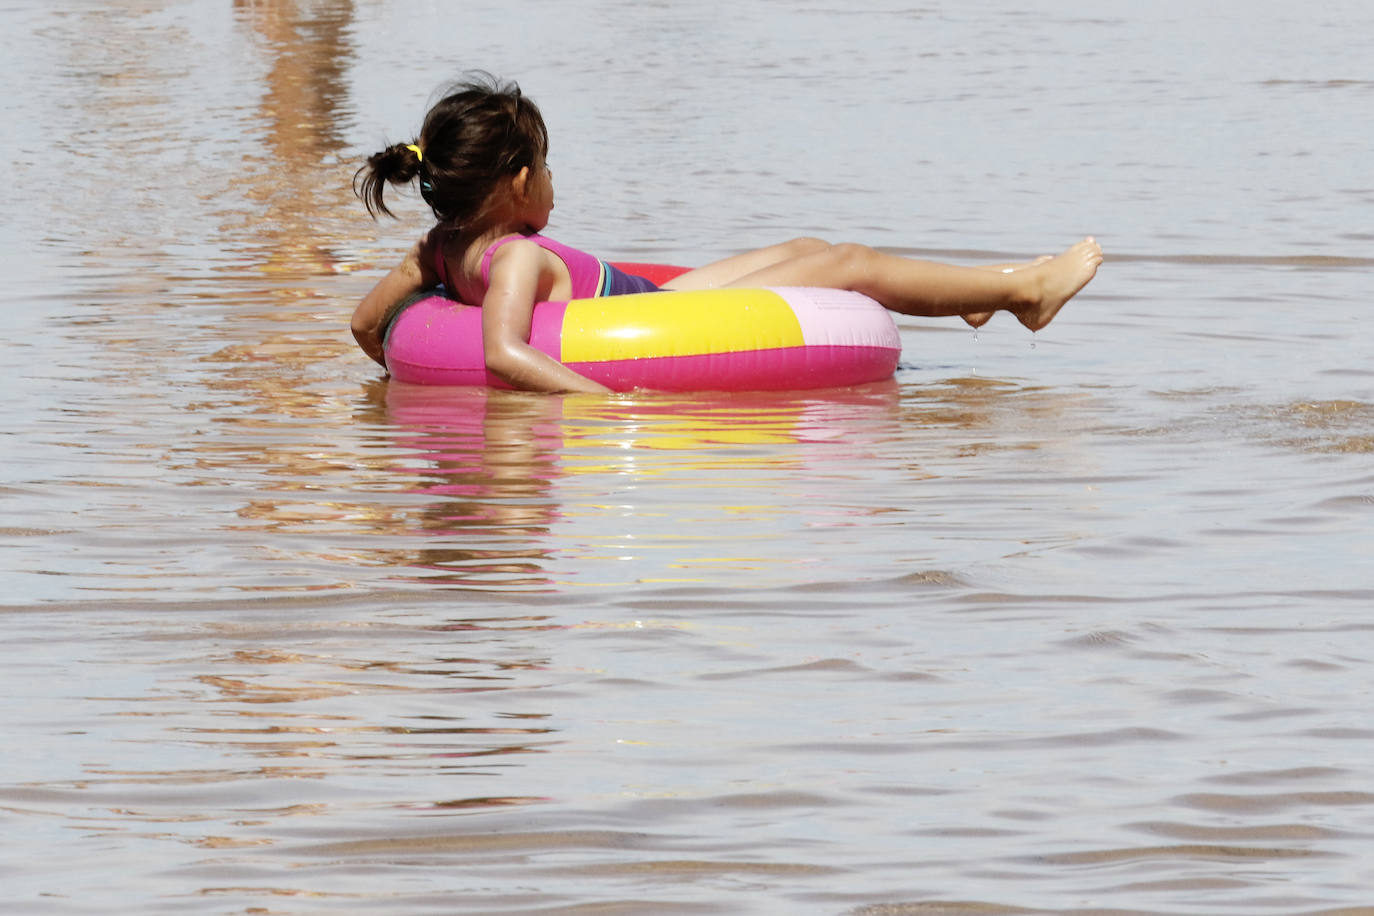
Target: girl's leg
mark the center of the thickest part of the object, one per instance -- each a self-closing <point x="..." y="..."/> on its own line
<point x="725" y="272"/>
<point x="978" y="319"/>
<point x="1020" y="265"/>
<point x="1034" y="293"/>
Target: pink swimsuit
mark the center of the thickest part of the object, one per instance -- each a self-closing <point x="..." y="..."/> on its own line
<point x="591" y="277"/>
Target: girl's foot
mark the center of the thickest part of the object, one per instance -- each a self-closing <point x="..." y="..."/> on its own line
<point x="1056" y="281"/>
<point x="978" y="319"/>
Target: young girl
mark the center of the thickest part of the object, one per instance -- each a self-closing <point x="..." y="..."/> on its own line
<point x="480" y="162"/>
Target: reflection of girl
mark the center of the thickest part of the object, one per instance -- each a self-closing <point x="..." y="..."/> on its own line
<point x="480" y="161"/>
<point x="484" y="462"/>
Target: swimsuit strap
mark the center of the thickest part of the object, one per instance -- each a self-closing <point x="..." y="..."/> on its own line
<point x="586" y="274"/>
<point x="491" y="250"/>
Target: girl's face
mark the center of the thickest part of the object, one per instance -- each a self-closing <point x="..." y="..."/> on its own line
<point x="539" y="196"/>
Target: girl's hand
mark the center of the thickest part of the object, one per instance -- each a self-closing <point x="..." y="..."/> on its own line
<point x="521" y="275"/>
<point x="416" y="272"/>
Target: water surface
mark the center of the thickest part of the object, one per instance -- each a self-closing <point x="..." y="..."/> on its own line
<point x="1071" y="623"/>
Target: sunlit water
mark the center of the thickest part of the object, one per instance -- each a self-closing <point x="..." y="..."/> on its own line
<point x="1073" y="624"/>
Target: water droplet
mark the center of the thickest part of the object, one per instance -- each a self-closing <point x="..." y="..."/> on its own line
<point x="1032" y="340"/>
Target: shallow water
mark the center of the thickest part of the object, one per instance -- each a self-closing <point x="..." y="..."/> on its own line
<point x="1071" y="623"/>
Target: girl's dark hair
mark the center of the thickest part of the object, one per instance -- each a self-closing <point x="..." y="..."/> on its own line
<point x="481" y="131"/>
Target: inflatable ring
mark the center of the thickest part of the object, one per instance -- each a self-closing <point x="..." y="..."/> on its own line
<point x="723" y="339"/>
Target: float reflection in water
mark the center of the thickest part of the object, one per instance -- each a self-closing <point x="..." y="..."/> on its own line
<point x="504" y="476"/>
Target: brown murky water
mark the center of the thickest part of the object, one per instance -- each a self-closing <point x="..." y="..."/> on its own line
<point x="1073" y="624"/>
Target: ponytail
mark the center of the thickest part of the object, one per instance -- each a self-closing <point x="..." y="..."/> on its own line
<point x="398" y="164"/>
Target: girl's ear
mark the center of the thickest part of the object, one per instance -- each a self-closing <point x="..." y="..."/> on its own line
<point x="520" y="182"/>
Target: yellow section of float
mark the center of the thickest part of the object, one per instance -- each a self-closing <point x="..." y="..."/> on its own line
<point x="705" y="321"/>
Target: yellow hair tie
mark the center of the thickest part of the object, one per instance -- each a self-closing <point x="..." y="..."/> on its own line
<point x="418" y="154"/>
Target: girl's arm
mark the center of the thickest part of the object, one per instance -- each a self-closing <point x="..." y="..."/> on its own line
<point x="522" y="273"/>
<point x="414" y="273"/>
